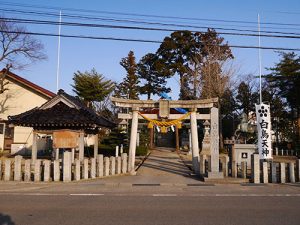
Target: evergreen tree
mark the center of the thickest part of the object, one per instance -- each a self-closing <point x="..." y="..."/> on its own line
<point x="150" y="70"/>
<point x="91" y="86"/>
<point x="228" y="103"/>
<point x="285" y="78"/>
<point x="246" y="98"/>
<point x="198" y="59"/>
<point x="177" y="52"/>
<point x="128" y="88"/>
<point x="279" y="115"/>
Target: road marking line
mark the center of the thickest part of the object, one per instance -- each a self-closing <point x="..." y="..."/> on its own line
<point x="164" y="195"/>
<point x="256" y="195"/>
<point x="89" y="194"/>
<point x="37" y="194"/>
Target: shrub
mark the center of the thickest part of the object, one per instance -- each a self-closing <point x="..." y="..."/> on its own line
<point x="141" y="150"/>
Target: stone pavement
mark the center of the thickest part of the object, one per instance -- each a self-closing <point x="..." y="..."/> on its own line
<point x="162" y="167"/>
<point x="165" y="166"/>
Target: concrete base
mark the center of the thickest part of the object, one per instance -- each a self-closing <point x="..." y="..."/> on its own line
<point x="215" y="175"/>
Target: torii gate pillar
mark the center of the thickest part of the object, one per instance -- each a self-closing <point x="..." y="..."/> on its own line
<point x="133" y="138"/>
<point x="214" y="172"/>
<point x="195" y="143"/>
<point x="188" y="104"/>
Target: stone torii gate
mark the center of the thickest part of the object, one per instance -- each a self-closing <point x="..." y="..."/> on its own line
<point x="164" y="112"/>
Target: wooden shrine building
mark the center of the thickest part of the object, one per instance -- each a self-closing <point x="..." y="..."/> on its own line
<point x="67" y="119"/>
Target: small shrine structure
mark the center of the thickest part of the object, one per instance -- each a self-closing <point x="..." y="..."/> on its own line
<point x="67" y="119"/>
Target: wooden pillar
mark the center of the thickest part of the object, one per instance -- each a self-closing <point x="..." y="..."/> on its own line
<point x="177" y="138"/>
<point x="133" y="138"/>
<point x="34" y="147"/>
<point x="96" y="139"/>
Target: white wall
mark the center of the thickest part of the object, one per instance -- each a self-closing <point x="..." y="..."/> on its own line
<point x="2" y="138"/>
<point x="249" y="149"/>
<point x="16" y="100"/>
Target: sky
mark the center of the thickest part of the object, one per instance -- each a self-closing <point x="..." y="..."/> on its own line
<point x="105" y="55"/>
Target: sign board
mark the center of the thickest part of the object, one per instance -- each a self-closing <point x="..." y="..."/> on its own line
<point x="65" y="139"/>
<point x="264" y="131"/>
<point x="164" y="108"/>
<point x="244" y="155"/>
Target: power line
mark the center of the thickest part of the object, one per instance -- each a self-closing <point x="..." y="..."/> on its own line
<point x="142" y="15"/>
<point x="70" y="16"/>
<point x="139" y="40"/>
<point x="82" y="36"/>
<point x="47" y="22"/>
<point x="139" y="22"/>
<point x="46" y="14"/>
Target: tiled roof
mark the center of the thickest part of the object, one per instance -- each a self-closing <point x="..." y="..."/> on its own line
<point x="60" y="116"/>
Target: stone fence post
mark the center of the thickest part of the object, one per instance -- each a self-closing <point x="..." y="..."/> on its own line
<point x="274" y="172"/>
<point x="27" y="173"/>
<point x="119" y="164"/>
<point x="255" y="172"/>
<point x="77" y="169"/>
<point x="85" y="169"/>
<point x="112" y="165"/>
<point x="37" y="170"/>
<point x="47" y="165"/>
<point x="282" y="172"/>
<point x="56" y="170"/>
<point x="93" y="168"/>
<point x="124" y="162"/>
<point x="18" y="168"/>
<point x="292" y="172"/>
<point x="99" y="165"/>
<point x="67" y="167"/>
<point x="7" y="169"/>
<point x="106" y="166"/>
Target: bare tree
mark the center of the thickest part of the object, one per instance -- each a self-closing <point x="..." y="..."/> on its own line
<point x="17" y="49"/>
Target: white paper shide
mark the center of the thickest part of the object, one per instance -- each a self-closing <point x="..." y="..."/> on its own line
<point x="264" y="131"/>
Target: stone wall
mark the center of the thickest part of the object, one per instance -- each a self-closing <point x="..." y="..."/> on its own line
<point x="19" y="169"/>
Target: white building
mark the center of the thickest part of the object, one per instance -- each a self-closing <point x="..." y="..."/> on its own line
<point x="21" y="96"/>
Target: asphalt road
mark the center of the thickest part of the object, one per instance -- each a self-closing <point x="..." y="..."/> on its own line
<point x="163" y="192"/>
<point x="152" y="206"/>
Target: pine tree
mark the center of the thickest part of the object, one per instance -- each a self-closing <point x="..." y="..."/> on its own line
<point x="150" y="70"/>
<point x="128" y="88"/>
<point x="92" y="86"/>
<point x="198" y="59"/>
